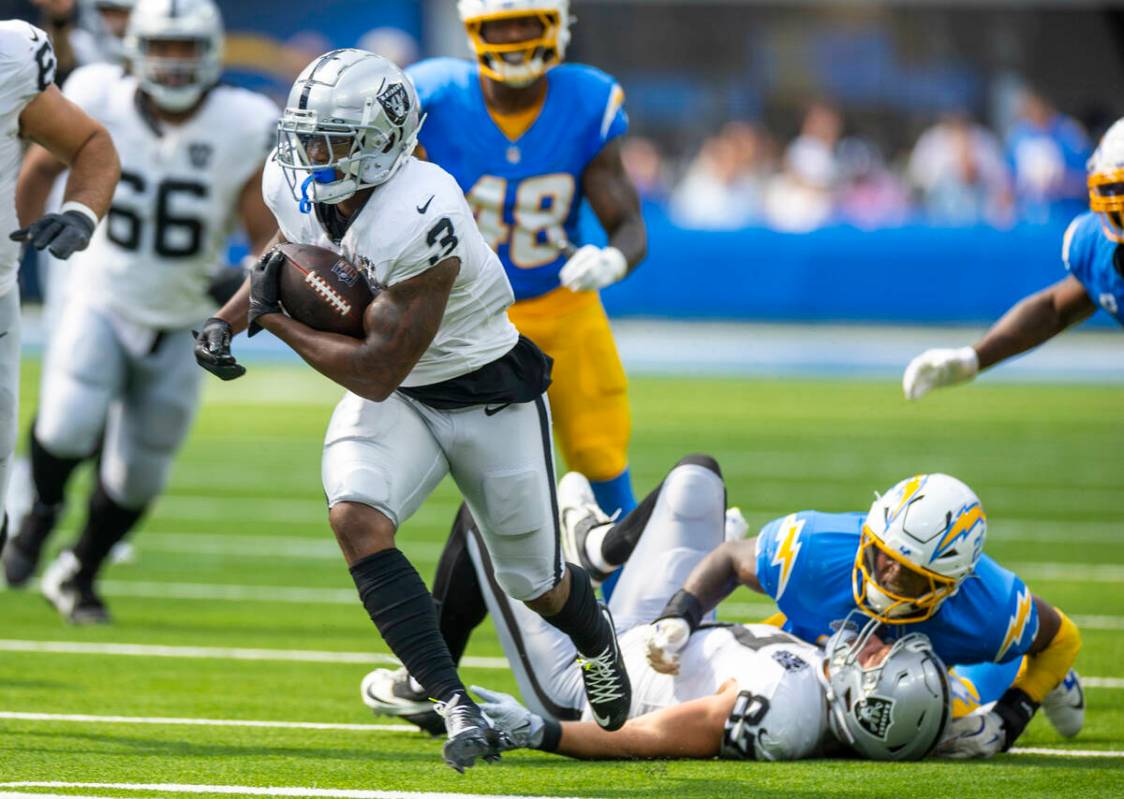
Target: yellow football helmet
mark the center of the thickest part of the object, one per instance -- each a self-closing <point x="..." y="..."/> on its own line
<point x="1106" y="182"/>
<point x="918" y="543"/>
<point x="517" y="63"/>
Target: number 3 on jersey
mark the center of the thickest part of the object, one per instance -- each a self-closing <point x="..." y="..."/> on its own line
<point x="536" y="233"/>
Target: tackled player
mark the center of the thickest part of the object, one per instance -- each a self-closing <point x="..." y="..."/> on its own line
<point x="442" y="384"/>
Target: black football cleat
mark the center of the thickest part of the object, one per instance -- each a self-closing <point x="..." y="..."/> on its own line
<point x="607" y="687"/>
<point x="579" y="514"/>
<point x="72" y="595"/>
<point x="21" y="556"/>
<point x="391" y="692"/>
<point x="470" y="733"/>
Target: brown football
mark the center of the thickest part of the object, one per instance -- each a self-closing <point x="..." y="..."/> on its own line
<point x="323" y="290"/>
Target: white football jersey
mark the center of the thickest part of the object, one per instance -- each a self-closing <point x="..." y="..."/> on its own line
<point x="760" y="658"/>
<point x="27" y="67"/>
<point x="153" y="255"/>
<point x="412" y="222"/>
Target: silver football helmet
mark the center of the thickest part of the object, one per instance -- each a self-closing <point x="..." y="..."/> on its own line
<point x="175" y="84"/>
<point x="350" y="123"/>
<point x="109" y="44"/>
<point x="895" y="709"/>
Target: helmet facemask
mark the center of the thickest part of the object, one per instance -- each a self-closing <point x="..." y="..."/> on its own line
<point x="175" y="82"/>
<point x="919" y="591"/>
<point x="538" y="54"/>
<point x="329" y="161"/>
<point x="1106" y="197"/>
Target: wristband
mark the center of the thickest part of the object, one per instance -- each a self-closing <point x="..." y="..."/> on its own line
<point x="1016" y="709"/>
<point x="684" y="605"/>
<point x="551" y="736"/>
<point x="84" y="210"/>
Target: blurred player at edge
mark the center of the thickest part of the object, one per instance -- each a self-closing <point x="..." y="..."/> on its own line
<point x="527" y="137"/>
<point x="1095" y="264"/>
<point x="32" y="109"/>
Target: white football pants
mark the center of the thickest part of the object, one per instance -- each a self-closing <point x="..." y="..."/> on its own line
<point x="390" y="455"/>
<point x="687" y="522"/>
<point x="139" y="387"/>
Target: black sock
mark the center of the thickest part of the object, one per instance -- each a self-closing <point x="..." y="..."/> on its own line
<point x="619" y="542"/>
<point x="457" y="595"/>
<point x="49" y="472"/>
<point x="395" y="597"/>
<point x="106" y="524"/>
<point x="580" y="618"/>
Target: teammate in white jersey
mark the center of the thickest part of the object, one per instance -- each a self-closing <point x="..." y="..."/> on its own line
<point x="120" y="363"/>
<point x="443" y="384"/>
<point x="740" y="690"/>
<point x="33" y="110"/>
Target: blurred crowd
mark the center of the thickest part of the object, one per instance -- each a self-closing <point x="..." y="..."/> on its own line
<point x="958" y="172"/>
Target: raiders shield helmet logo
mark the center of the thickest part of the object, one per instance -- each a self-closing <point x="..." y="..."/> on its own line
<point x="395" y="100"/>
<point x="874" y="715"/>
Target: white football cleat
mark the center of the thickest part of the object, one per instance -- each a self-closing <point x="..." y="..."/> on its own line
<point x="393" y="692"/>
<point x="736" y="526"/>
<point x="1065" y="706"/>
<point x="579" y="514"/>
<point x="73" y="597"/>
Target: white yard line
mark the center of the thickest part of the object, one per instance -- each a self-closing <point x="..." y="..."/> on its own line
<point x="223" y="653"/>
<point x="1065" y="572"/>
<point x="81" y="718"/>
<point x="1041" y="750"/>
<point x="250" y="790"/>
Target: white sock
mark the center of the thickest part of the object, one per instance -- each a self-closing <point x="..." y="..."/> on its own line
<point x="593" y="544"/>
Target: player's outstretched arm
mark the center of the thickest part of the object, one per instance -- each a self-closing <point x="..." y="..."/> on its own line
<point x="1032" y="321"/>
<point x="617" y="205"/>
<point x="68" y="137"/>
<point x="400" y="322"/>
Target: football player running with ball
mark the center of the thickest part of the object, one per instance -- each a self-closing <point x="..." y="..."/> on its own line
<point x="528" y="138"/>
<point x="442" y="384"/>
<point x="118" y="377"/>
<point x="32" y="109"/>
<point x="1095" y="262"/>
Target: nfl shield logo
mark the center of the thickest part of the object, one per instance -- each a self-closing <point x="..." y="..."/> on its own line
<point x="200" y="154"/>
<point x="396" y="102"/>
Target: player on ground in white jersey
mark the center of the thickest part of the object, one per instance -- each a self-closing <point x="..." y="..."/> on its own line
<point x="120" y="363"/>
<point x="443" y="383"/>
<point x="740" y="691"/>
<point x="33" y="110"/>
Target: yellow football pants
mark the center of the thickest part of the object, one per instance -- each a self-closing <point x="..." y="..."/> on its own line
<point x="588" y="398"/>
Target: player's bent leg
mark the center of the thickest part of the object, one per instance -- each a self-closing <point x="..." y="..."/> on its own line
<point x="9" y="396"/>
<point x="504" y="467"/>
<point x="380" y="461"/>
<point x="541" y="656"/>
<point x="672" y="530"/>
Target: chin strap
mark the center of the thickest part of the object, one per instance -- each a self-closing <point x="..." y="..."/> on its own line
<point x="322" y="176"/>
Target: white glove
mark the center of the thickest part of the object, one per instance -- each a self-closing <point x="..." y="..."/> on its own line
<point x="592" y="268"/>
<point x="736" y="526"/>
<point x="666" y="639"/>
<point x="979" y="734"/>
<point x="523" y="727"/>
<point x="935" y="368"/>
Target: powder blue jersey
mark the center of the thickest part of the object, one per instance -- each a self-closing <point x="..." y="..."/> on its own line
<point x="525" y="193"/>
<point x="1088" y="255"/>
<point x="805" y="562"/>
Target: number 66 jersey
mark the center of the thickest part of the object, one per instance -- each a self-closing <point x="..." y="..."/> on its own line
<point x="152" y="258"/>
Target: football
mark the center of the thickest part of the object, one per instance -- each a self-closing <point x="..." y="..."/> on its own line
<point x="323" y="290"/>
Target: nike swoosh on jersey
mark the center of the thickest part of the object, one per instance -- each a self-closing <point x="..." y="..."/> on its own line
<point x="423" y="208"/>
<point x="495" y="410"/>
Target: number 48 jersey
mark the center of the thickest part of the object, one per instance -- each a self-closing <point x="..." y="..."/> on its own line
<point x="152" y="257"/>
<point x="525" y="193"/>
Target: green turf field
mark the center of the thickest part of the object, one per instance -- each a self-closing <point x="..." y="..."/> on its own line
<point x="238" y="556"/>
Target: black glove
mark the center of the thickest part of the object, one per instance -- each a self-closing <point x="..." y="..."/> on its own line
<point x="265" y="288"/>
<point x="212" y="350"/>
<point x="64" y="234"/>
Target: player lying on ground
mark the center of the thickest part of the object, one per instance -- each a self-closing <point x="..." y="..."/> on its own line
<point x="915" y="563"/>
<point x="1093" y="258"/>
<point x="530" y="139"/>
<point x="119" y="382"/>
<point x="741" y="691"/>
<point x="442" y="384"/>
<point x="32" y="110"/>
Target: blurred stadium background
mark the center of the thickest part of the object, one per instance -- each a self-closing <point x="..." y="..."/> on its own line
<point x="828" y="186"/>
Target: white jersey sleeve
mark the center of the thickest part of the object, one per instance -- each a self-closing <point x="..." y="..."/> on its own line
<point x="87" y="87"/>
<point x="27" y="68"/>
